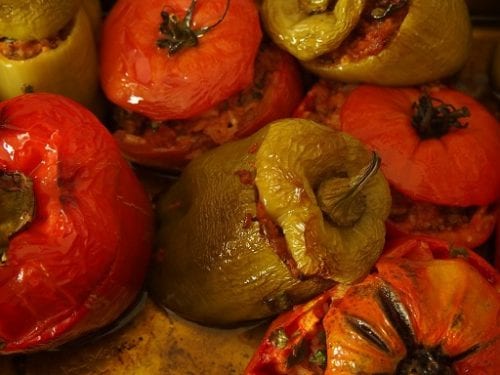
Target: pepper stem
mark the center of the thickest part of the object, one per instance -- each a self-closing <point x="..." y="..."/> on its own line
<point x="17" y="206"/>
<point x="432" y="118"/>
<point x="179" y="34"/>
<point x="340" y="198"/>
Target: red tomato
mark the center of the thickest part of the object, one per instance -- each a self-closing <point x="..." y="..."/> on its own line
<point x="445" y="178"/>
<point x="275" y="92"/>
<point x="138" y="75"/>
<point x="426" y="308"/>
<point x="79" y="233"/>
<point x="458" y="168"/>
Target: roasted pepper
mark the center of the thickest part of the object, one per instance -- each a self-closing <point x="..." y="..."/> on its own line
<point x="75" y="225"/>
<point x="35" y="19"/>
<point x="396" y="42"/>
<point x="258" y="224"/>
<point x="50" y="46"/>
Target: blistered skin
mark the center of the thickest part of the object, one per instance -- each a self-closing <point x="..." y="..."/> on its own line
<point x="57" y="70"/>
<point x="242" y="235"/>
<point x="139" y="76"/>
<point x="82" y="259"/>
<point x="430" y="42"/>
<point x="34" y="19"/>
<point x="425" y="308"/>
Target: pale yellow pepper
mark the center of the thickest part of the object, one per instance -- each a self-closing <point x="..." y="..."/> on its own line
<point x="70" y="69"/>
<point x="432" y="42"/>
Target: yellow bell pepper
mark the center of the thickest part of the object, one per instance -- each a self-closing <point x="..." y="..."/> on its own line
<point x="69" y="69"/>
<point x="431" y="42"/>
<point x="35" y="19"/>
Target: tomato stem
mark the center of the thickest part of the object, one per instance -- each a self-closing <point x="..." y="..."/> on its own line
<point x="179" y="34"/>
<point x="17" y="206"/>
<point x="433" y="118"/>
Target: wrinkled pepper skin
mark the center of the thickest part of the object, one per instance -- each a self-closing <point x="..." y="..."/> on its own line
<point x="70" y="69"/>
<point x="242" y="235"/>
<point x="432" y="42"/>
<point x="80" y="259"/>
<point x="35" y="19"/>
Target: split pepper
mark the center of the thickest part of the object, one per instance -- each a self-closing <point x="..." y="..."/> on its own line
<point x="388" y="42"/>
<point x="259" y="224"/>
<point x="50" y="46"/>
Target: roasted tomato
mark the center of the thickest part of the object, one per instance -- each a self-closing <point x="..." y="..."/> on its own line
<point x="440" y="151"/>
<point x="176" y="59"/>
<point x="427" y="308"/>
<point x="276" y="90"/>
<point x="75" y="224"/>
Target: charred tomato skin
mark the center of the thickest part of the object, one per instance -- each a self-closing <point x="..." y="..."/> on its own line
<point x="427" y="306"/>
<point x="81" y="260"/>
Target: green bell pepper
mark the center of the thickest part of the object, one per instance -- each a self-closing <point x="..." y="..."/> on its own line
<point x="259" y="224"/>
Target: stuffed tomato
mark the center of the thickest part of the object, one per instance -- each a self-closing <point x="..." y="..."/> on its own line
<point x="75" y="224"/>
<point x="188" y="76"/>
<point x="439" y="147"/>
<point x="440" y="152"/>
<point x="427" y="307"/>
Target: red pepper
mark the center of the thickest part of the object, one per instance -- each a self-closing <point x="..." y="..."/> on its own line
<point x="75" y="224"/>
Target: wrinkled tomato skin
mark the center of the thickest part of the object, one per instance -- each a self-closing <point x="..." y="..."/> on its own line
<point x="423" y="272"/>
<point x="457" y="169"/>
<point x="282" y="92"/>
<point x="82" y="260"/>
<point x="141" y="77"/>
